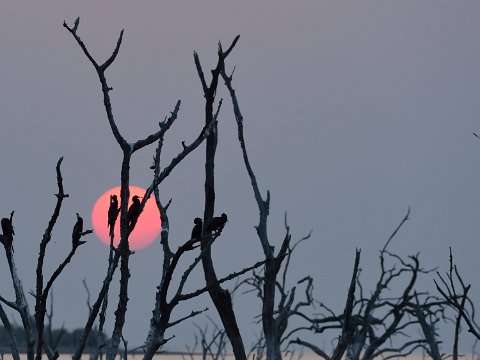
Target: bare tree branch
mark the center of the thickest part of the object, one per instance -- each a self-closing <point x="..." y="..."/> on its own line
<point x="191" y="315"/>
<point x="273" y="327"/>
<point x="41" y="294"/>
<point x="220" y="297"/>
<point x="458" y="300"/>
<point x="9" y="330"/>
<point x="428" y="331"/>
<point x="112" y="266"/>
<point x="20" y="305"/>
<point x="100" y="69"/>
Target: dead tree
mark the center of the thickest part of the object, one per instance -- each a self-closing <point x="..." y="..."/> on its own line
<point x="210" y="342"/>
<point x="20" y="304"/>
<point x="274" y="323"/>
<point x="374" y="325"/>
<point x="346" y="326"/>
<point x="220" y="297"/>
<point x="128" y="149"/>
<point x="161" y="315"/>
<point x="42" y="291"/>
<point x="53" y="341"/>
<point x="163" y="308"/>
<point x="287" y="306"/>
<point x="99" y="340"/>
<point x="455" y="291"/>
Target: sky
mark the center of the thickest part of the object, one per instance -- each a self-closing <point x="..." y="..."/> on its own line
<point x="354" y="111"/>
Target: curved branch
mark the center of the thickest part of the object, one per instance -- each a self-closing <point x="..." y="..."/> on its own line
<point x="164" y="126"/>
<point x="112" y="57"/>
<point x="220" y="281"/>
<point x="101" y="75"/>
<point x="312" y="347"/>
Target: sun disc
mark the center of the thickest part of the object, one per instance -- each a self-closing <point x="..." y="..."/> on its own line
<point x="146" y="230"/>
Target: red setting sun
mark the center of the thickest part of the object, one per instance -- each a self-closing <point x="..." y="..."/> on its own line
<point x="146" y="230"/>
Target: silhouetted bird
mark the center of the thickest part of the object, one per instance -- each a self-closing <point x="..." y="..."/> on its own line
<point x="217" y="223"/>
<point x="7" y="227"/>
<point x="197" y="229"/>
<point x="113" y="213"/>
<point x="133" y="213"/>
<point x="8" y="232"/>
<point x="77" y="231"/>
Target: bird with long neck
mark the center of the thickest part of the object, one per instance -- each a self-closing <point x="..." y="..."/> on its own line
<point x="113" y="211"/>
<point x="8" y="232"/>
<point x="77" y="232"/>
<point x="133" y="213"/>
<point x="197" y="229"/>
<point x="217" y="224"/>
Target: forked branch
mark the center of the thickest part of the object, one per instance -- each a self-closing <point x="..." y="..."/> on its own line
<point x="458" y="299"/>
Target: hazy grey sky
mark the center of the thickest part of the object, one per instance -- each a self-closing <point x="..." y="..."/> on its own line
<point x="354" y="110"/>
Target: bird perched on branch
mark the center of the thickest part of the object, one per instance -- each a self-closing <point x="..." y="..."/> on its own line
<point x="8" y="232"/>
<point x="197" y="229"/>
<point x="7" y="227"/>
<point x="113" y="211"/>
<point x="77" y="232"/>
<point x="217" y="223"/>
<point x="133" y="213"/>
